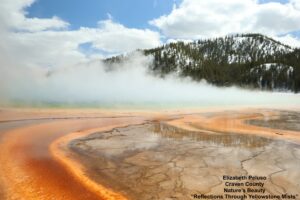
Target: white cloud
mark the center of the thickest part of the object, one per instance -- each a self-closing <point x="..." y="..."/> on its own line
<point x="60" y="48"/>
<point x="47" y="48"/>
<point x="37" y="24"/>
<point x="195" y="19"/>
<point x="289" y="40"/>
<point x="13" y="16"/>
<point x="296" y="3"/>
<point x="40" y="45"/>
<point x="31" y="47"/>
<point x="276" y="18"/>
<point x="36" y="42"/>
<point x="114" y="37"/>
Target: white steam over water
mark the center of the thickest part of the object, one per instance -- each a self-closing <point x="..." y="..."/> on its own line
<point x="30" y="48"/>
<point x="130" y="83"/>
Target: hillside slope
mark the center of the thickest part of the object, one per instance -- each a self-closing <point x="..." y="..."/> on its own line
<point x="245" y="60"/>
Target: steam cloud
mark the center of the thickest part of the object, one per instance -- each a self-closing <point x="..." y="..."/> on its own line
<point x="41" y="61"/>
<point x="130" y="82"/>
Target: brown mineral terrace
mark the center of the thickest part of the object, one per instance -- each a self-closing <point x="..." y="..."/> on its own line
<point x="37" y="160"/>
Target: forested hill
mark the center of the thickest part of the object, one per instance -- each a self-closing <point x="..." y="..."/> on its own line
<point x="246" y="60"/>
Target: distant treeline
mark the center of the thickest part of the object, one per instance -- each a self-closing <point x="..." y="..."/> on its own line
<point x="245" y="60"/>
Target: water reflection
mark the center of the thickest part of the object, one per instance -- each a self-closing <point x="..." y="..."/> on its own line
<point x="284" y="121"/>
<point x="236" y="140"/>
<point x="151" y="161"/>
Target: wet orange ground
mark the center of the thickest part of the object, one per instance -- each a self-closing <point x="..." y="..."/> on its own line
<point x="29" y="171"/>
<point x="236" y="122"/>
<point x="35" y="162"/>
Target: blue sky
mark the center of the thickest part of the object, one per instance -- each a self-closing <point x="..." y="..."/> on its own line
<point x="66" y="32"/>
<point x="38" y="36"/>
<point x="131" y="13"/>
